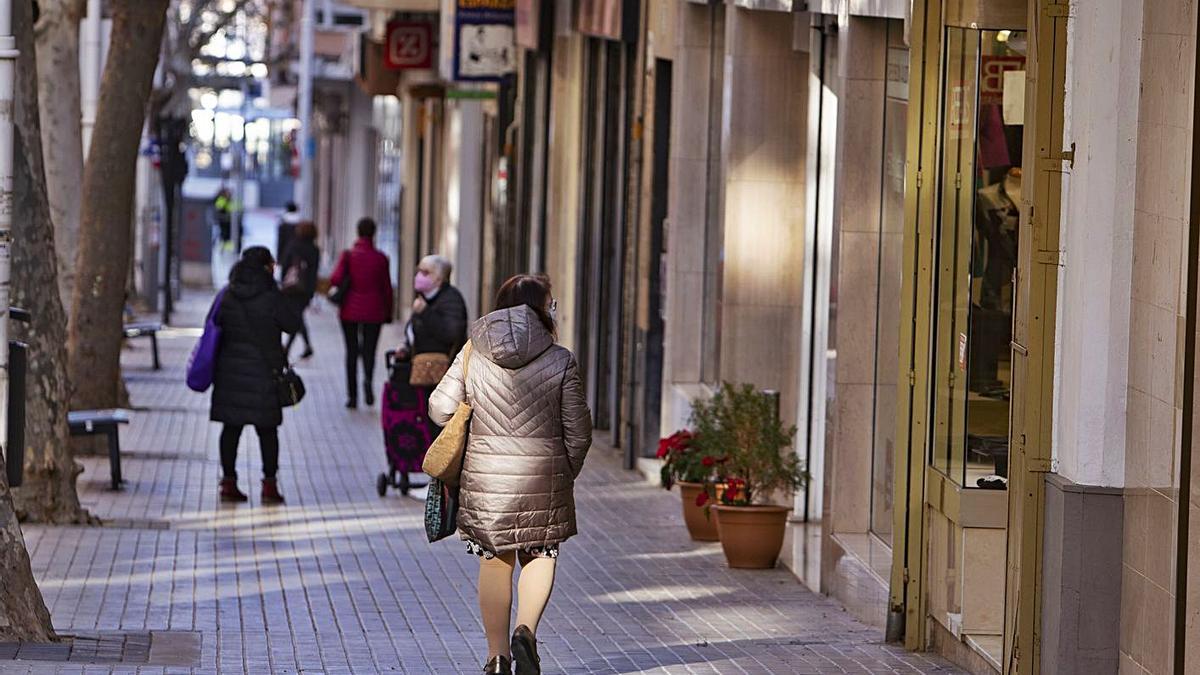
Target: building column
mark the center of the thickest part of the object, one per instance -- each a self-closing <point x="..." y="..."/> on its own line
<point x="564" y="186"/>
<point x="1109" y="539"/>
<point x="461" y="228"/>
<point x="763" y="171"/>
<point x="693" y="221"/>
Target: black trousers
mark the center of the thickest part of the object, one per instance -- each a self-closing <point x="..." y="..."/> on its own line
<point x="268" y="438"/>
<point x="299" y="305"/>
<point x="303" y="332"/>
<point x="362" y="340"/>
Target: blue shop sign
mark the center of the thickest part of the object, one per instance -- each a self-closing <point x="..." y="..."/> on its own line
<point x="484" y="46"/>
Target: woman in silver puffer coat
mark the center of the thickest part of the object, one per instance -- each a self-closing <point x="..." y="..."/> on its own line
<point x="530" y="432"/>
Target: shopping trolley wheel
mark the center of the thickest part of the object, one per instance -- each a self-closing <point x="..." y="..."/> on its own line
<point x="404" y="484"/>
<point x="381" y="484"/>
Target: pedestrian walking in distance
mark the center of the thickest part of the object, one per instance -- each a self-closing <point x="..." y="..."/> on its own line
<point x="300" y="262"/>
<point x="530" y="431"/>
<point x="366" y="306"/>
<point x="253" y="316"/>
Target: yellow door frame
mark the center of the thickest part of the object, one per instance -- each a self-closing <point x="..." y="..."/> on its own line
<point x="1033" y="326"/>
<point x="1038" y="260"/>
<point x="908" y="561"/>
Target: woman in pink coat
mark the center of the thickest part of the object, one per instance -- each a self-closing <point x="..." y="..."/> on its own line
<point x="367" y="306"/>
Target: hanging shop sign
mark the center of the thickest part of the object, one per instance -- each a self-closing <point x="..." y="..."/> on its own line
<point x="481" y="40"/>
<point x="409" y="45"/>
<point x="374" y="76"/>
<point x="612" y="19"/>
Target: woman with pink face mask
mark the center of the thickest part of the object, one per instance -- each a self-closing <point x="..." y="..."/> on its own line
<point x="439" y="313"/>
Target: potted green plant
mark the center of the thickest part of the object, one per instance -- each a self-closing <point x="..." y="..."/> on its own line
<point x="742" y="426"/>
<point x="692" y="472"/>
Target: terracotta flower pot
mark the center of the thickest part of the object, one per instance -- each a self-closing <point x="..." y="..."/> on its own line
<point x="751" y="536"/>
<point x="701" y="526"/>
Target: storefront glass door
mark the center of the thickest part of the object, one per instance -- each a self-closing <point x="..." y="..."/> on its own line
<point x="976" y="244"/>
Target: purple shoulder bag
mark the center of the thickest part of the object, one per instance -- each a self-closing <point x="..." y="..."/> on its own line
<point x="202" y="365"/>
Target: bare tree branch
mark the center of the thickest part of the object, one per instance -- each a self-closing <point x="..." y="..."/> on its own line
<point x="199" y="7"/>
<point x="223" y="22"/>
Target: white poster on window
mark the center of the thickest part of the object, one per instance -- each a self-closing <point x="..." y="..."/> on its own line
<point x="1014" y="97"/>
<point x="485" y="50"/>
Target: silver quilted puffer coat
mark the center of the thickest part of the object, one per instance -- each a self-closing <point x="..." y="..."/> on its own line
<point x="530" y="431"/>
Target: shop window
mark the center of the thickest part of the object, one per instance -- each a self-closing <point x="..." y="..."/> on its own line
<point x="976" y="245"/>
<point x="890" y="269"/>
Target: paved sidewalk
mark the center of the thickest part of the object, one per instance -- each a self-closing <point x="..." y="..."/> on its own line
<point x="341" y="581"/>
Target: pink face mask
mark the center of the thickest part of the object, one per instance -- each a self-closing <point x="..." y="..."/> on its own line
<point x="424" y="283"/>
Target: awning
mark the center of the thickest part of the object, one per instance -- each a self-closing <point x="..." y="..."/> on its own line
<point x="397" y="5"/>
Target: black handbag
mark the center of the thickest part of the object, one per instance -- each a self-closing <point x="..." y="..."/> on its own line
<point x="339" y="293"/>
<point x="290" y="387"/>
<point x="441" y="510"/>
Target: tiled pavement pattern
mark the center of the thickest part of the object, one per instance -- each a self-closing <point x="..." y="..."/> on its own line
<point x="341" y="581"/>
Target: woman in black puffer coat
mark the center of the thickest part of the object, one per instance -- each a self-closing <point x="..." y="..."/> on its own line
<point x="253" y="317"/>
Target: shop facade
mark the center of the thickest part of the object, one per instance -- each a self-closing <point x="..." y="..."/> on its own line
<point x="912" y="221"/>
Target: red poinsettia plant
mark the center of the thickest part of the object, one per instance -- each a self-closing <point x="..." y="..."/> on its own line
<point x="683" y="462"/>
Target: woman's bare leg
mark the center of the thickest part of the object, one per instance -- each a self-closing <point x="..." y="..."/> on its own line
<point x="495" y="600"/>
<point x="533" y="590"/>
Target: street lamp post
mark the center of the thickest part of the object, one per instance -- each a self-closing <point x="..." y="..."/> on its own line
<point x="8" y="74"/>
<point x="303" y="189"/>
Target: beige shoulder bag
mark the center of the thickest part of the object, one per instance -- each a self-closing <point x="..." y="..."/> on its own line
<point x="444" y="459"/>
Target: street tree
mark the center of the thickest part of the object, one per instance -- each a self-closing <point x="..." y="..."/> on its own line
<point x="56" y="32"/>
<point x="23" y="613"/>
<point x="48" y="493"/>
<point x="102" y="263"/>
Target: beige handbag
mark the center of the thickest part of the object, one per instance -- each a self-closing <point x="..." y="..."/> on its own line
<point x="428" y="369"/>
<point x="444" y="458"/>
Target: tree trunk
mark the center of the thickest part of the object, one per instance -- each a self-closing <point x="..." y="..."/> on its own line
<point x="57" y="35"/>
<point x="48" y="494"/>
<point x="23" y="613"/>
<point x="108" y="183"/>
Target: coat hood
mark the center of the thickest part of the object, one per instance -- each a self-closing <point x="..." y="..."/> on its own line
<point x="511" y="337"/>
<point x="247" y="282"/>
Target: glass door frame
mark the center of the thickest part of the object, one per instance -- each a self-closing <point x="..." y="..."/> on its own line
<point x="1033" y="329"/>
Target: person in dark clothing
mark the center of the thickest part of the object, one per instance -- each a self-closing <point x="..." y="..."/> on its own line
<point x="368" y="305"/>
<point x="286" y="230"/>
<point x="438" y="324"/>
<point x="253" y="315"/>
<point x="300" y="263"/>
<point x="439" y="313"/>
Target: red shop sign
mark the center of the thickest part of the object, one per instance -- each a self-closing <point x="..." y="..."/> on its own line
<point x="409" y="45"/>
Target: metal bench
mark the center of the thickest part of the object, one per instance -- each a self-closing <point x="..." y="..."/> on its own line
<point x="146" y="329"/>
<point x="107" y="422"/>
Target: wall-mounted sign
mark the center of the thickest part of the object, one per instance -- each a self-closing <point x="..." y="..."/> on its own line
<point x="483" y="43"/>
<point x="612" y="19"/>
<point x="409" y="45"/>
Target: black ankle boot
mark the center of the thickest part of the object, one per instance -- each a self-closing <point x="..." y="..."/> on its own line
<point x="524" y="651"/>
<point x="499" y="665"/>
